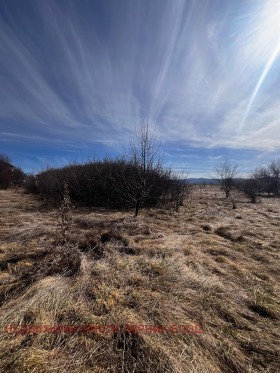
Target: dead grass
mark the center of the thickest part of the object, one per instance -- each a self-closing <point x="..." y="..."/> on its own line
<point x="206" y="264"/>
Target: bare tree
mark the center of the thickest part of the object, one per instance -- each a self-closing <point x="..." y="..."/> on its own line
<point x="274" y="169"/>
<point x="250" y="187"/>
<point x="262" y="176"/>
<point x="144" y="156"/>
<point x="226" y="172"/>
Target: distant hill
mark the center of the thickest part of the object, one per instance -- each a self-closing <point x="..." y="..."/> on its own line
<point x="202" y="180"/>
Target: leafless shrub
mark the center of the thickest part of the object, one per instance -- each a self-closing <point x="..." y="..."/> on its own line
<point x="250" y="187"/>
<point x="226" y="173"/>
<point x="30" y="184"/>
<point x="18" y="177"/>
<point x="148" y="181"/>
<point x="179" y="189"/>
<point x="65" y="217"/>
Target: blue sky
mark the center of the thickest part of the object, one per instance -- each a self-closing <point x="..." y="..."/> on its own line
<point x="77" y="76"/>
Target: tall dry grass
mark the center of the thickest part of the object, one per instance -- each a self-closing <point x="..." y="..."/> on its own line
<point x="206" y="264"/>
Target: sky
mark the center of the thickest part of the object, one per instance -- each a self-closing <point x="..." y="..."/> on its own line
<point x="77" y="77"/>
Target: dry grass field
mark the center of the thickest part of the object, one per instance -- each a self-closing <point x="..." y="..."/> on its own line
<point x="207" y="264"/>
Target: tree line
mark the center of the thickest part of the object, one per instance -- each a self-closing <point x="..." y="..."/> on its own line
<point x="262" y="181"/>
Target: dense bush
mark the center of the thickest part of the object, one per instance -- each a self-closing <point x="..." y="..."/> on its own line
<point x="6" y="172"/>
<point x="107" y="183"/>
<point x="10" y="176"/>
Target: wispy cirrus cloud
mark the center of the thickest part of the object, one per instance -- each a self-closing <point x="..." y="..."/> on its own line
<point x="76" y="75"/>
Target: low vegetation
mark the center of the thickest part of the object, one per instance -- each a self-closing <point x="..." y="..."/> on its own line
<point x="75" y="266"/>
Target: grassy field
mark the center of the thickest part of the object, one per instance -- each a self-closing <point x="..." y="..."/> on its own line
<point x="207" y="264"/>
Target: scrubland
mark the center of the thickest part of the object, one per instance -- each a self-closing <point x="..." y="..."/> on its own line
<point x="206" y="264"/>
